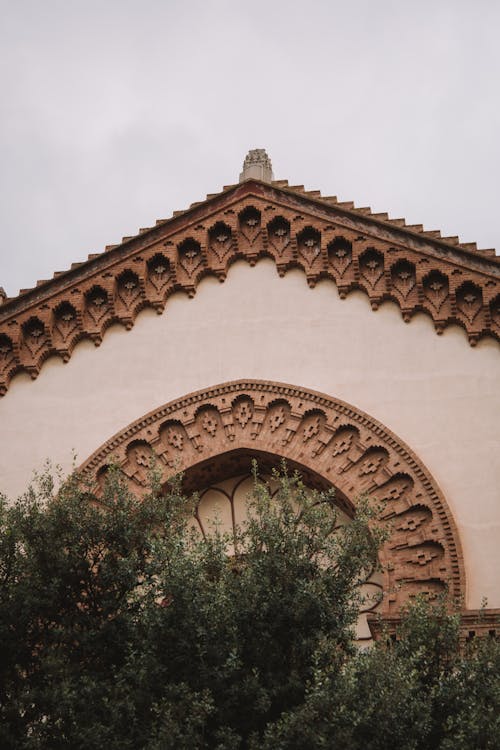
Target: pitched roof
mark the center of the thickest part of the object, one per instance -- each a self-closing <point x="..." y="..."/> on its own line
<point x="453" y="282"/>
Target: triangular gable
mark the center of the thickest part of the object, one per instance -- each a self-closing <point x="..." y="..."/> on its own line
<point x="453" y="283"/>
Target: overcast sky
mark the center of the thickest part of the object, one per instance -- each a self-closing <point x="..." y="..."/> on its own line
<point x="117" y="112"/>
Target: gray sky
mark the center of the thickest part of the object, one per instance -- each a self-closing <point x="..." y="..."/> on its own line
<point x="117" y="112"/>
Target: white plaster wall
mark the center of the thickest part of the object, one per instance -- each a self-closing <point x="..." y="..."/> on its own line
<point x="437" y="393"/>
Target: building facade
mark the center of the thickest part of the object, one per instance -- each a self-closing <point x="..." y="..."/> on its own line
<point x="272" y="322"/>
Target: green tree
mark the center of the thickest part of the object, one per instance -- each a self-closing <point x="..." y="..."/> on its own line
<point x="420" y="692"/>
<point x="121" y="627"/>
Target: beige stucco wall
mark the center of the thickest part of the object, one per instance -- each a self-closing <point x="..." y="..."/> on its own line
<point x="437" y="393"/>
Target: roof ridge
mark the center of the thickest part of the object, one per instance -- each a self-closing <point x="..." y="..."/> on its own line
<point x="255" y="220"/>
<point x="452" y="240"/>
<point x="382" y="217"/>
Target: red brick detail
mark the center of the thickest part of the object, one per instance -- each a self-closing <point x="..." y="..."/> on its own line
<point x="331" y="442"/>
<point x="474" y="623"/>
<point x="451" y="283"/>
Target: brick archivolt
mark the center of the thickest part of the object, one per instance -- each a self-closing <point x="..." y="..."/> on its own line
<point x="254" y="221"/>
<point x="330" y="441"/>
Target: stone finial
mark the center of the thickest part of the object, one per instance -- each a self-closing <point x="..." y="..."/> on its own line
<point x="3" y="296"/>
<point x="257" y="166"/>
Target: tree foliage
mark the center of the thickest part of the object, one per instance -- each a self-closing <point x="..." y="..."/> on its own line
<point x="122" y="627"/>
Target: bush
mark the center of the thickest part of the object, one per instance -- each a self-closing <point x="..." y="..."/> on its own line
<point x="121" y="627"/>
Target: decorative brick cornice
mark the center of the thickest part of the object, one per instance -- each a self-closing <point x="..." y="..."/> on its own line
<point x="474" y="623"/>
<point x="330" y="442"/>
<point x="421" y="272"/>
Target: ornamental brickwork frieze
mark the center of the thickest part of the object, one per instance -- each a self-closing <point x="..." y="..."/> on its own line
<point x="331" y="442"/>
<point x="420" y="271"/>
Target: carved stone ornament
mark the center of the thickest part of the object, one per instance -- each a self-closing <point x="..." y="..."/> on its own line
<point x="213" y="434"/>
<point x="257" y="165"/>
<point x="453" y="283"/>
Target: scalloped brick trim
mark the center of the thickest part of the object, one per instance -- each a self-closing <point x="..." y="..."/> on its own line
<point x="385" y="259"/>
<point x="331" y="441"/>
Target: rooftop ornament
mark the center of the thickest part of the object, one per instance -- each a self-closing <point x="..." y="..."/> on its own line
<point x="257" y="166"/>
